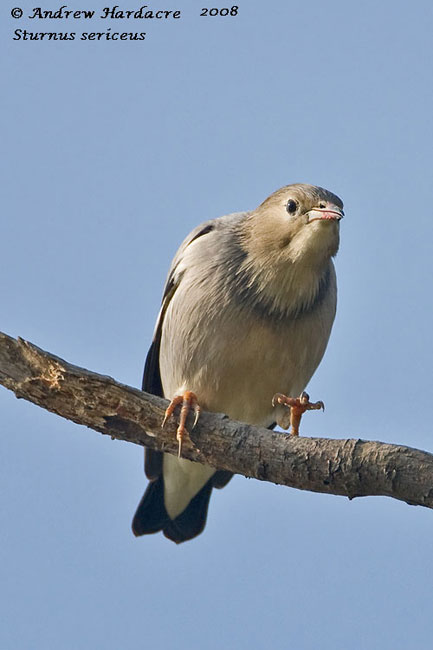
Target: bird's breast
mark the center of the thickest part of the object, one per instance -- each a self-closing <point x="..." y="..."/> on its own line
<point x="236" y="362"/>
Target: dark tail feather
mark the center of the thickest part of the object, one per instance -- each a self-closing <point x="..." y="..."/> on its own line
<point x="221" y="478"/>
<point x="151" y="515"/>
<point x="192" y="520"/>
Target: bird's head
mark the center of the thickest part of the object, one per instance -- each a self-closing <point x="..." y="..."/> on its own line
<point x="297" y="222"/>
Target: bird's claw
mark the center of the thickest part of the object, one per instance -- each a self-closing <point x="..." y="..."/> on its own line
<point x="189" y="401"/>
<point x="298" y="406"/>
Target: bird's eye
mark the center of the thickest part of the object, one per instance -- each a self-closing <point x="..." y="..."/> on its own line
<point x="291" y="206"/>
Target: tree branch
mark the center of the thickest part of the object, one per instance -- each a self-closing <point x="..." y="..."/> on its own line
<point x="346" y="467"/>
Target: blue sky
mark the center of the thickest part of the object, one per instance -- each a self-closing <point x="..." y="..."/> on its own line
<point x="112" y="152"/>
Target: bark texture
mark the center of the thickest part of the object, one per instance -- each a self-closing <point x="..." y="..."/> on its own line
<point x="349" y="468"/>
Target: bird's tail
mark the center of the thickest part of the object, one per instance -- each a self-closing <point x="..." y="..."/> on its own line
<point x="151" y="515"/>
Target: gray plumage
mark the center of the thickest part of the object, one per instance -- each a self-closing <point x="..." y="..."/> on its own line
<point x="247" y="312"/>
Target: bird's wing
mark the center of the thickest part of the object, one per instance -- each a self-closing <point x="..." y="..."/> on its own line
<point x="152" y="376"/>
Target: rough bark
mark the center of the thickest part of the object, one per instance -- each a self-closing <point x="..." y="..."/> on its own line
<point x="346" y="467"/>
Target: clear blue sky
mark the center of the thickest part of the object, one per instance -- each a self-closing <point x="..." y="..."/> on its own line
<point x="112" y="152"/>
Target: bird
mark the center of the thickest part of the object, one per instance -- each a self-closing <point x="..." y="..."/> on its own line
<point x="246" y="315"/>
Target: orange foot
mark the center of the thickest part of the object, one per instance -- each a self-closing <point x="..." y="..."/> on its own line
<point x="189" y="401"/>
<point x="298" y="406"/>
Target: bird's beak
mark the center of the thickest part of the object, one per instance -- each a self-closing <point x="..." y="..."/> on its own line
<point x="329" y="213"/>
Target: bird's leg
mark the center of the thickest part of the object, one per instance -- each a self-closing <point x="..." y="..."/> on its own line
<point x="189" y="401"/>
<point x="298" y="406"/>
